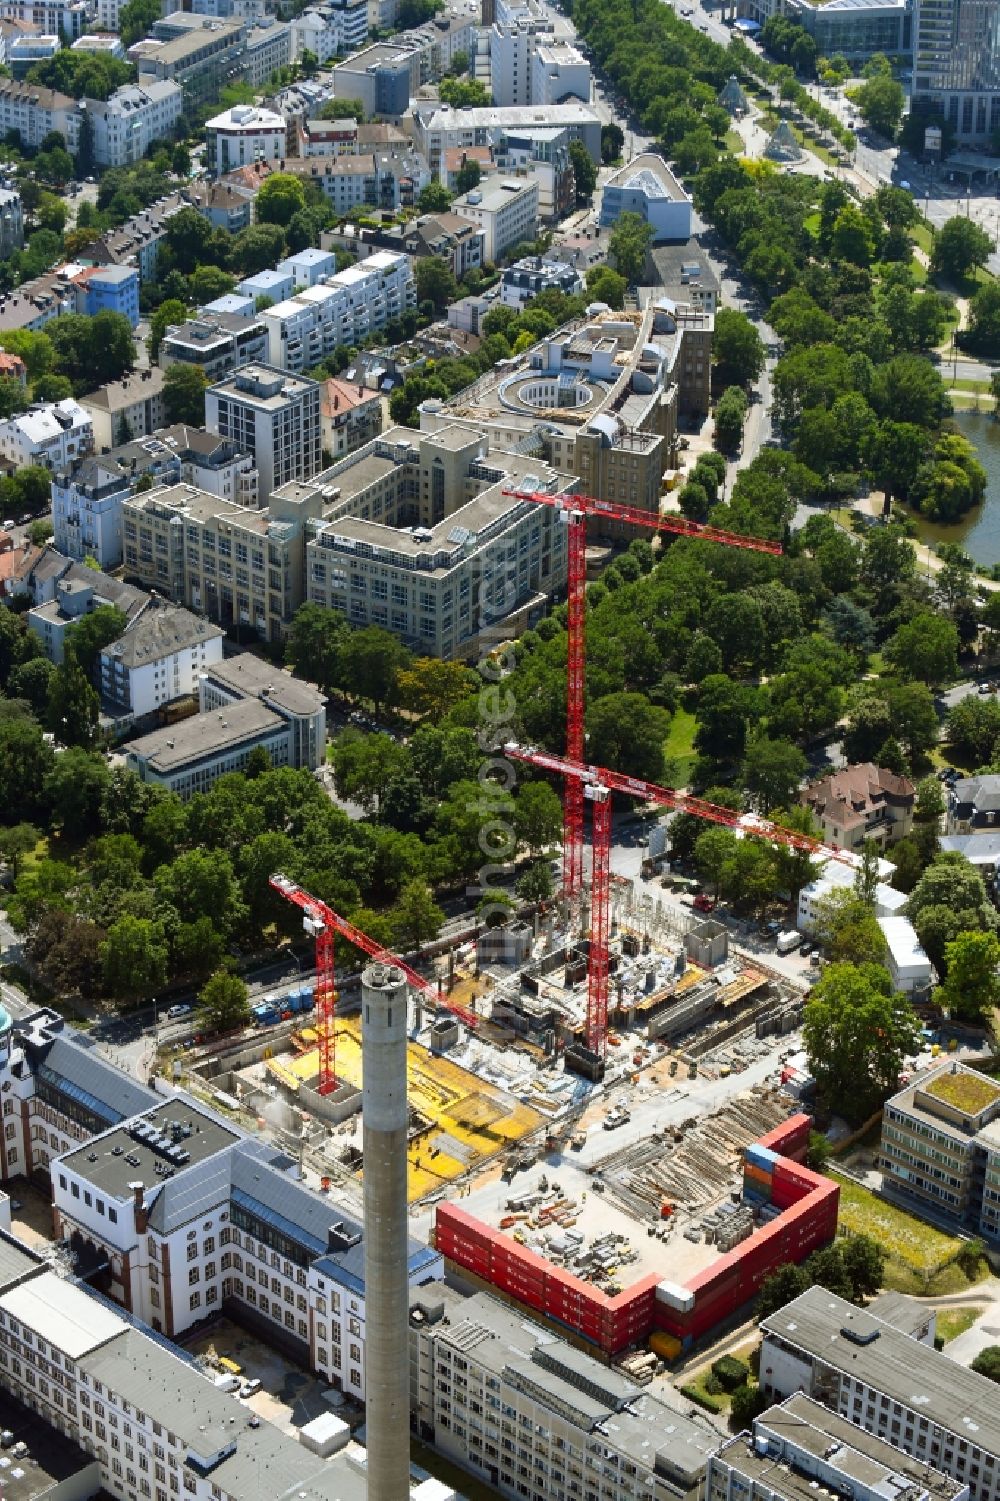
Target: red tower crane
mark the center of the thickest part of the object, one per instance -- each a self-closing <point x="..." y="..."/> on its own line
<point x="574" y="511"/>
<point x="321" y="920"/>
<point x="597" y="783"/>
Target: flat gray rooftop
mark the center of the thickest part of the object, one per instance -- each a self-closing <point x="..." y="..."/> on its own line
<point x="16" y="1263"/>
<point x="52" y="1458"/>
<point x="204" y="735"/>
<point x="924" y="1380"/>
<point x="251" y="676"/>
<point x="825" y="1436"/>
<point x="121" y="1156"/>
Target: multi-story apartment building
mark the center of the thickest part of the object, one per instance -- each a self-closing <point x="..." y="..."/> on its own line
<point x="438" y="128"/>
<point x="388" y="180"/>
<point x="308" y="268"/>
<point x="420" y="538"/>
<point x="384" y="76"/>
<point x="352" y="416"/>
<point x="244" y="705"/>
<point x="62" y="18"/>
<point x="267" y="49"/>
<point x="356" y="302"/>
<point x="113" y="289"/>
<point x="526" y="278"/>
<point x="87" y="510"/>
<point x="158" y="658"/>
<point x="885" y="1381"/>
<point x="127" y="124"/>
<point x="127" y="409"/>
<point x="53" y="434"/>
<point x="940" y="1147"/>
<point x="536" y="1419"/>
<point x="219" y="558"/>
<point x="800" y="1449"/>
<point x="506" y="210"/>
<point x="35" y="112"/>
<point x="219" y="342"/>
<point x="331" y="29"/>
<point x="245" y="133"/>
<point x="273" y="416"/>
<point x="198" y="52"/>
<point x="559" y="71"/>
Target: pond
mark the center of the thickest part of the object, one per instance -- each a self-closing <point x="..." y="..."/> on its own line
<point x="978" y="532"/>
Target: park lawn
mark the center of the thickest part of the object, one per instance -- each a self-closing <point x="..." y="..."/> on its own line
<point x="735" y="143"/>
<point x="951" y="1322"/>
<point x="920" y="1258"/>
<point x="923" y="237"/>
<point x="678" y="748"/>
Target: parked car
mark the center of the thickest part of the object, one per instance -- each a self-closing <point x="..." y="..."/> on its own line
<point x="249" y="1387"/>
<point x="178" y="1011"/>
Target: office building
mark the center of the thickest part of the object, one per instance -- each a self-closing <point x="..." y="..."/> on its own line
<point x="856" y="28"/>
<point x="384" y="76"/>
<point x="218" y="342"/>
<point x="244" y="705"/>
<point x="330" y="30"/>
<point x="266" y="50"/>
<point x="420" y="538"/>
<point x="273" y="416"/>
<point x="198" y="52"/>
<point x="940" y="1148"/>
<point x="53" y="434"/>
<point x="439" y="128"/>
<point x="536" y="1418"/>
<point x="245" y="133"/>
<point x="800" y="1449"/>
<point x="236" y="566"/>
<point x="127" y="409"/>
<point x="512" y="49"/>
<point x="859" y="803"/>
<point x="127" y="124"/>
<point x="558" y="72"/>
<point x="341" y="312"/>
<point x="956" y="64"/>
<point x="888" y="1383"/>
<point x="159" y="658"/>
<point x="647" y="187"/>
<point x="526" y="278"/>
<point x="838" y="875"/>
<point x="506" y="210"/>
<point x="23" y="52"/>
<point x="387" y="180"/>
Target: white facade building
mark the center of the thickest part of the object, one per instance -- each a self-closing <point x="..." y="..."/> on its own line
<point x="306" y="328"/>
<point x="836" y="875"/>
<point x="54" y="434"/>
<point x="308" y="268"/>
<point x="87" y="511"/>
<point x="127" y="409"/>
<point x="33" y="112"/>
<point x="888" y="1383"/>
<point x="330" y="30"/>
<point x="439" y="128"/>
<point x="526" y="278"/>
<point x="559" y="71"/>
<point x="127" y="124"/>
<point x="909" y="967"/>
<point x="242" y="135"/>
<point x="647" y="187"/>
<point x="160" y="657"/>
<point x="506" y="210"/>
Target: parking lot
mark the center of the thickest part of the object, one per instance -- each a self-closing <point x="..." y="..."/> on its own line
<point x="289" y="1397"/>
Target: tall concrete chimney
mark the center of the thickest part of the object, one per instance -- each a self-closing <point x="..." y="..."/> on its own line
<point x="384" y="1118"/>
